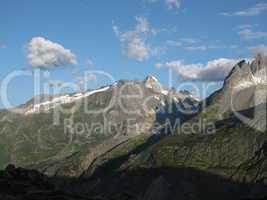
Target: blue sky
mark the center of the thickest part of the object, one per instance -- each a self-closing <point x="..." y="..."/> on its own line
<point x="198" y="40"/>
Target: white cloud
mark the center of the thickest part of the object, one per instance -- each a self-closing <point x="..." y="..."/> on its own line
<point x="44" y="53"/>
<point x="135" y="46"/>
<point x="260" y="49"/>
<point x="208" y="47"/>
<point x="115" y="29"/>
<point x="171" y="4"/>
<point x="191" y="44"/>
<point x="197" y="48"/>
<point x="248" y="33"/>
<point x="190" y="40"/>
<point x="174" y="43"/>
<point x="215" y="70"/>
<point x="253" y="11"/>
<point x="133" y="42"/>
<point x="142" y="25"/>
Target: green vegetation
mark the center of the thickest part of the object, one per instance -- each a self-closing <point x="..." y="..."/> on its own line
<point x="221" y="153"/>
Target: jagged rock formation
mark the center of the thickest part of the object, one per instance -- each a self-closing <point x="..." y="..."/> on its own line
<point x="244" y="88"/>
<point x="153" y="83"/>
<point x="246" y="85"/>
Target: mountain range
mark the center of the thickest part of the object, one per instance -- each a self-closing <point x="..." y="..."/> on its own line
<point x="122" y="141"/>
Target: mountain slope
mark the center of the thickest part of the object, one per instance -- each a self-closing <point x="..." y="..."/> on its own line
<point x="29" y="134"/>
<point x="220" y="153"/>
<point x="232" y="161"/>
<point x="133" y="163"/>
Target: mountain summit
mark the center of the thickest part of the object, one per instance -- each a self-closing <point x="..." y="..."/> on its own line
<point x="153" y="83"/>
<point x="244" y="88"/>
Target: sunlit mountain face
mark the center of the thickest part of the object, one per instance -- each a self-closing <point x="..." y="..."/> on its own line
<point x="133" y="100"/>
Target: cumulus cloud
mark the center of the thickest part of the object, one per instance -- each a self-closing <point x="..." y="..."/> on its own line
<point x="133" y="42"/>
<point x="253" y="11"/>
<point x="44" y="53"/>
<point x="215" y="70"/>
<point x="135" y="46"/>
<point x="260" y="49"/>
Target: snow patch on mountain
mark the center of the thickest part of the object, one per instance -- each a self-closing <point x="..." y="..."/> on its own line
<point x="59" y="100"/>
<point x="96" y="91"/>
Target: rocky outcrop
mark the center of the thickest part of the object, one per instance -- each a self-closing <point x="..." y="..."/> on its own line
<point x="244" y="88"/>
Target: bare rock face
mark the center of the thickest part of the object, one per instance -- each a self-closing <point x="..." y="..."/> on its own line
<point x="245" y="88"/>
<point x="152" y="83"/>
<point x="246" y="85"/>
